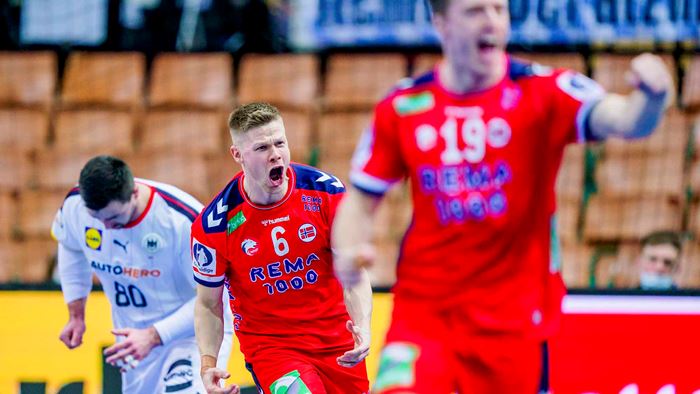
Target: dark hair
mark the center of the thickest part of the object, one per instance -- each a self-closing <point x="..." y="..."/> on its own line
<point x="438" y="6"/>
<point x="250" y="116"/>
<point x="662" y="238"/>
<point x="105" y="179"/>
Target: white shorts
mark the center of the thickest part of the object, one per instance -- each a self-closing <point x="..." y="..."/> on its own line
<point x="173" y="368"/>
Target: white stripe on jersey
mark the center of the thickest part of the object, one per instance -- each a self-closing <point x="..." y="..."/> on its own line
<point x="369" y="182"/>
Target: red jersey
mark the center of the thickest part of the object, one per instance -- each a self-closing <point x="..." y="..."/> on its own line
<point x="482" y="168"/>
<point x="276" y="262"/>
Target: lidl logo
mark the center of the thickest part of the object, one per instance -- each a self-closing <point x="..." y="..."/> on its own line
<point x="93" y="238"/>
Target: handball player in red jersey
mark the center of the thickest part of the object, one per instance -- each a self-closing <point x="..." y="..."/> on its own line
<point x="480" y="139"/>
<point x="266" y="239"/>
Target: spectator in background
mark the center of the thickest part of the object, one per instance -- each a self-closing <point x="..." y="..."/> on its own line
<point x="659" y="261"/>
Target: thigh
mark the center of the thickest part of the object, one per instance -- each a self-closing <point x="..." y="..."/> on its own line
<point x="172" y="368"/>
<point x="285" y="372"/>
<point x="499" y="364"/>
<point x="415" y="359"/>
<point x="338" y="379"/>
<point x="180" y="366"/>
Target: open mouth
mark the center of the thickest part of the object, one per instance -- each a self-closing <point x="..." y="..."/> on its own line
<point x="276" y="175"/>
<point x="487" y="43"/>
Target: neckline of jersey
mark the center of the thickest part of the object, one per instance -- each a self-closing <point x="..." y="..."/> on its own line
<point x="448" y="92"/>
<point x="139" y="219"/>
<point x="290" y="189"/>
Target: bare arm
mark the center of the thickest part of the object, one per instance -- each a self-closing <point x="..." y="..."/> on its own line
<point x="358" y="301"/>
<point x="209" y="323"/>
<point x="72" y="333"/>
<point x="638" y="113"/>
<point x="351" y="236"/>
<point x="209" y="329"/>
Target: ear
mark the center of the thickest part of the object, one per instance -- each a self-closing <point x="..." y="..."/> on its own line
<point x="235" y="153"/>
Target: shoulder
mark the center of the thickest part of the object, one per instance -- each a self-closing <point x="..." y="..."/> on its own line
<point x="409" y="96"/>
<point x="73" y="204"/>
<point x="176" y="199"/>
<point x="311" y="178"/>
<point x="212" y="218"/>
<point x="571" y="82"/>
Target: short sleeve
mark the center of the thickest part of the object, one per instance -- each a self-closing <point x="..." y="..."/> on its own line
<point x="573" y="98"/>
<point x="377" y="163"/>
<point x="208" y="263"/>
<point x="61" y="229"/>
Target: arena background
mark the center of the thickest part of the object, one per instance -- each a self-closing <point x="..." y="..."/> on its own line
<point x="153" y="80"/>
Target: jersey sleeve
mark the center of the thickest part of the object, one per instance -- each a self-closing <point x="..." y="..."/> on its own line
<point x="377" y="163"/>
<point x="62" y="228"/>
<point x="208" y="261"/>
<point x="75" y="274"/>
<point x="572" y="99"/>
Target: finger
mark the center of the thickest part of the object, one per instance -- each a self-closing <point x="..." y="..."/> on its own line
<point x="76" y="341"/>
<point x="121" y="331"/>
<point x="632" y="78"/>
<point x="355" y="354"/>
<point x="116" y="347"/>
<point x="352" y="360"/>
<point x="118" y="355"/>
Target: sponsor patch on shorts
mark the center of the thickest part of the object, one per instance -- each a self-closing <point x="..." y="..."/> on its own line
<point x="289" y="383"/>
<point x="397" y="366"/>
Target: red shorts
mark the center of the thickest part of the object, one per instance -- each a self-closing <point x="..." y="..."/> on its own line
<point x="427" y="353"/>
<point x="282" y="371"/>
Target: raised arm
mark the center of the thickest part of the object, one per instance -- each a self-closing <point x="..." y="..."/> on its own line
<point x="637" y="114"/>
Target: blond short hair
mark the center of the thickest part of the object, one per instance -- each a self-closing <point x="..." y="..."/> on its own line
<point x="250" y="116"/>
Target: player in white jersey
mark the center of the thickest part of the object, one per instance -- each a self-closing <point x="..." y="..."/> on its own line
<point x="135" y="235"/>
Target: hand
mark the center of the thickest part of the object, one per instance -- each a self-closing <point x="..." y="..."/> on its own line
<point x="134" y="348"/>
<point x="72" y="333"/>
<point x="649" y="72"/>
<point x="211" y="377"/>
<point x="362" y="338"/>
<point x="348" y="265"/>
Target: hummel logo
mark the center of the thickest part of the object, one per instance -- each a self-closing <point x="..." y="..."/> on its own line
<point x="123" y="246"/>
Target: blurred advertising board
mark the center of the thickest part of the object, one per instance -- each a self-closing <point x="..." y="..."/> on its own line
<point x="317" y="24"/>
<point x="607" y="345"/>
<point x="610" y="344"/>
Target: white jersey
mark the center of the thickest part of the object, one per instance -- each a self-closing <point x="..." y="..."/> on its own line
<point x="145" y="268"/>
